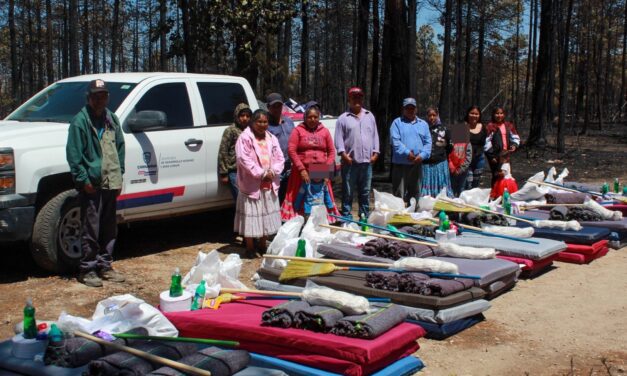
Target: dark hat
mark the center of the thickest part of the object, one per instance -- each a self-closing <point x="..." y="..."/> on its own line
<point x="97" y="86"/>
<point x="355" y="91"/>
<point x="273" y="98"/>
<point x="409" y="102"/>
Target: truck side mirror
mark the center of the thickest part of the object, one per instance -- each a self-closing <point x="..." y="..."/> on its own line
<point x="147" y="121"/>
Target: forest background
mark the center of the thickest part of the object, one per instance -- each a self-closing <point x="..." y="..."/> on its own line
<point x="556" y="66"/>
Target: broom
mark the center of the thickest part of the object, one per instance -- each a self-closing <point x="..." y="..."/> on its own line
<point x="310" y="267"/>
<point x="411" y="241"/>
<point x="559" y="186"/>
<point x="482" y="232"/>
<point x="487" y="211"/>
<point x="393" y="231"/>
<point x="286" y="294"/>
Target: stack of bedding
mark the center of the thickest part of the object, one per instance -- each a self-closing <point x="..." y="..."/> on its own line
<point x="584" y="246"/>
<point x="241" y="321"/>
<point x="618" y="229"/>
<point x="535" y="258"/>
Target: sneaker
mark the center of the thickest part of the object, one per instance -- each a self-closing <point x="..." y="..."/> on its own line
<point x="111" y="275"/>
<point x="90" y="279"/>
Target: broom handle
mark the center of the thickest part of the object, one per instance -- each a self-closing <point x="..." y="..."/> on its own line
<point x="397" y="232"/>
<point x="149" y="357"/>
<point x="331" y="261"/>
<point x="262" y="292"/>
<point x="483" y="232"/>
<point x="205" y="341"/>
<point x="376" y="235"/>
<point x="486" y="210"/>
<point x="557" y="186"/>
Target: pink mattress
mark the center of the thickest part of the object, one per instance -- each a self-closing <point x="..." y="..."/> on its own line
<point x="530" y="266"/>
<point x="586" y="249"/>
<point x="241" y="321"/>
<point x="581" y="258"/>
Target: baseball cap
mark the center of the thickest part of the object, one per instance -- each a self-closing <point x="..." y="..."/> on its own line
<point x="409" y="102"/>
<point x="97" y="86"/>
<point x="273" y="98"/>
<point x="355" y="91"/>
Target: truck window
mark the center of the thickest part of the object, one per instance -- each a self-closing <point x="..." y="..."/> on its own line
<point x="173" y="100"/>
<point x="60" y="102"/>
<point x="219" y="100"/>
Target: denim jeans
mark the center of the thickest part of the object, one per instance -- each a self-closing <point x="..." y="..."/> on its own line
<point x="356" y="178"/>
<point x="233" y="184"/>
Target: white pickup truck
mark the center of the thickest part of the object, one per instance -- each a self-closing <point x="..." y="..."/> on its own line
<point x="173" y="124"/>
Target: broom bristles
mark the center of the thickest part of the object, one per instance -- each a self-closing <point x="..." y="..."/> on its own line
<point x="450" y="207"/>
<point x="303" y="269"/>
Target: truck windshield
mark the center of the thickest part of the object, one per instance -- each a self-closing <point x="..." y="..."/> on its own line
<point x="60" y="102"/>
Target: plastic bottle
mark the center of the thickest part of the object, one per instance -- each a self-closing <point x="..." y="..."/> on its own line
<point x="605" y="188"/>
<point x="199" y="296"/>
<point x="300" y="249"/>
<point x="30" y="325"/>
<point x="176" y="289"/>
<point x="446" y="224"/>
<point x="363" y="220"/>
<point x="507" y="204"/>
<point x="441" y="218"/>
<point x="624" y="190"/>
<point x="395" y="232"/>
<point x="55" y="335"/>
<point x="616" y="185"/>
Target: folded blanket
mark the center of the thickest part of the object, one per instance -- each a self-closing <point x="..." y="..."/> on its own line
<point x="565" y="197"/>
<point x="78" y="351"/>
<point x="388" y="249"/>
<point x="282" y="315"/>
<point x="317" y="318"/>
<point x="217" y="361"/>
<point x="370" y="325"/>
<point x="384" y="280"/>
<point x="426" y="231"/>
<point x="446" y="287"/>
<point x="476" y="219"/>
<point x="563" y="213"/>
<point x="413" y="283"/>
<point x="125" y="364"/>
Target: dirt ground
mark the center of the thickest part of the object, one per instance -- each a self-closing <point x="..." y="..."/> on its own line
<point x="571" y="320"/>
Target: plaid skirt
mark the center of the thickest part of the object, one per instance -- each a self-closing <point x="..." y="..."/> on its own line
<point x="435" y="177"/>
<point x="257" y="218"/>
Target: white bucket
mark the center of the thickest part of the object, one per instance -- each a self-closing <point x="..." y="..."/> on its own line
<point x="23" y="348"/>
<point x="179" y="303"/>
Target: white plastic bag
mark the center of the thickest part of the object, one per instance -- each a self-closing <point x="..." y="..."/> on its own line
<point x="121" y="313"/>
<point x="289" y="230"/>
<point x="476" y="196"/>
<point x="426" y="203"/>
<point x="313" y="233"/>
<point x="562" y="176"/>
<point x="550" y="176"/>
<point x="209" y="267"/>
<point x="531" y="191"/>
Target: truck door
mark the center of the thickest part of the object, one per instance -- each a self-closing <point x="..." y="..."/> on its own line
<point x="219" y="99"/>
<point x="164" y="167"/>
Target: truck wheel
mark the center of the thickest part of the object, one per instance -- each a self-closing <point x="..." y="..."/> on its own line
<point x="56" y="243"/>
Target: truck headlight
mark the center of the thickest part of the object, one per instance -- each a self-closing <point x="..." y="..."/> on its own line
<point x="6" y="159"/>
<point x="7" y="183"/>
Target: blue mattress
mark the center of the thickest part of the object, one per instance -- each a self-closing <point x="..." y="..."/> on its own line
<point x="405" y="366"/>
<point x="619" y="227"/>
<point x="443" y="331"/>
<point x="587" y="235"/>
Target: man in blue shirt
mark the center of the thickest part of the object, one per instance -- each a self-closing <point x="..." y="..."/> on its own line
<point x="411" y="144"/>
<point x="281" y="127"/>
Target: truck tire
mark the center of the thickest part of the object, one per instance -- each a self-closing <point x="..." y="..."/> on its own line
<point x="55" y="244"/>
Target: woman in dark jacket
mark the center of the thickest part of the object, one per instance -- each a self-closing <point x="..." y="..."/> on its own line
<point x="478" y="135"/>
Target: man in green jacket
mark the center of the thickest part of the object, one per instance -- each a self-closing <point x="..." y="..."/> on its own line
<point x="95" y="153"/>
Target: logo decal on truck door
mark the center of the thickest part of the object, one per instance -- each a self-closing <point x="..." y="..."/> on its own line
<point x="147" y="157"/>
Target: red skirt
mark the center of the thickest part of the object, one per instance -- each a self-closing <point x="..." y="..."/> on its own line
<point x="293" y="186"/>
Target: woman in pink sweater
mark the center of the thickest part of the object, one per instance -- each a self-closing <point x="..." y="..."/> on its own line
<point x="312" y="154"/>
<point x="259" y="165"/>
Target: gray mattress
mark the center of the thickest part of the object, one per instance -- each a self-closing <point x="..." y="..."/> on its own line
<point x="491" y="271"/>
<point x="507" y="247"/>
<point x="441" y="316"/>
